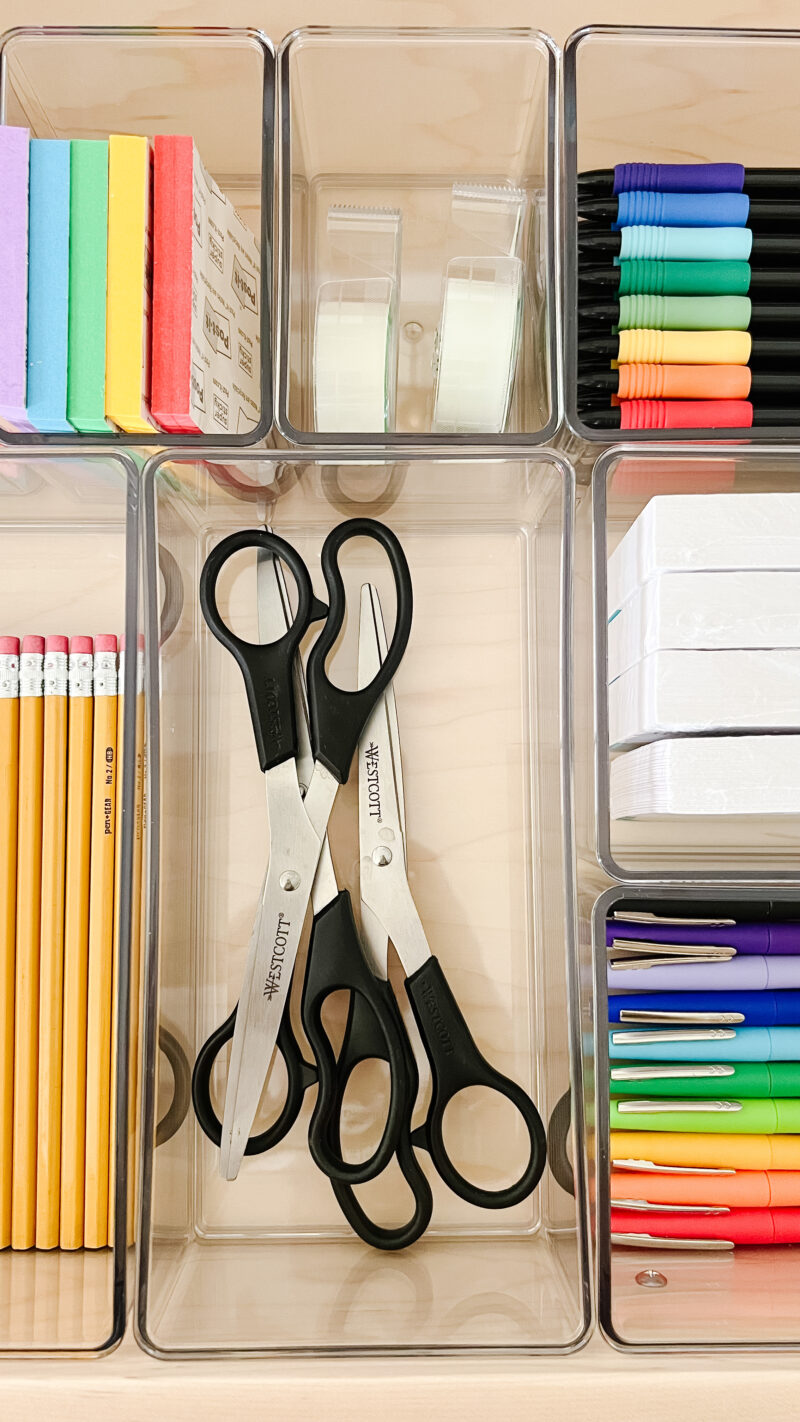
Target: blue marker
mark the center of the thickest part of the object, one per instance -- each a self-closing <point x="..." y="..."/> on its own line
<point x="689" y="1009"/>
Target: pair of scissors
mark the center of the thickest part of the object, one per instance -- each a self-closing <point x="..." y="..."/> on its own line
<point x="297" y="838"/>
<point x="389" y="914"/>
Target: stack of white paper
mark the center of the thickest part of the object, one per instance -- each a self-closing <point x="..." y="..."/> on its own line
<point x="704" y="640"/>
<point x="706" y="611"/>
<point x="724" y="775"/>
<point x="684" y="693"/>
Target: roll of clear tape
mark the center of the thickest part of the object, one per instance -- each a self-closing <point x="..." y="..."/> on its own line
<point x="478" y="345"/>
<point x="354" y="360"/>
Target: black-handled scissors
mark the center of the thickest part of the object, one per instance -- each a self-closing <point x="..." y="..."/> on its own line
<point x="298" y="850"/>
<point x="388" y="913"/>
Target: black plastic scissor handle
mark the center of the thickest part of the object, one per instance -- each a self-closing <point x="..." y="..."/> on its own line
<point x="456" y="1063"/>
<point x="265" y="666"/>
<point x="175" y="1114"/>
<point x="299" y="1075"/>
<point x="361" y="1044"/>
<point x="557" y="1132"/>
<point x="338" y="717"/>
<point x="336" y="961"/>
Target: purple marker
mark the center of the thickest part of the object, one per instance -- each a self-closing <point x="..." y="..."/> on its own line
<point x="763" y="938"/>
<point x="14" y="165"/>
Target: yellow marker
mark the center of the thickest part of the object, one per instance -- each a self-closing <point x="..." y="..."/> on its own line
<point x="51" y="961"/>
<point x="101" y="943"/>
<point x="9" y="789"/>
<point x="684" y="347"/>
<point x="128" y="289"/>
<point x="76" y="941"/>
<point x="29" y="886"/>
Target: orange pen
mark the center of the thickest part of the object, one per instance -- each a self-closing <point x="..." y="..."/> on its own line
<point x="739" y="1189"/>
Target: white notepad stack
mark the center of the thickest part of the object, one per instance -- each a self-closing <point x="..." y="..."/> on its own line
<point x="704" y="657"/>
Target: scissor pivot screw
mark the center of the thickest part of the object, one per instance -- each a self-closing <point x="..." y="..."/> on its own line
<point x="289" y="880"/>
<point x="651" y="1279"/>
<point x="381" y="856"/>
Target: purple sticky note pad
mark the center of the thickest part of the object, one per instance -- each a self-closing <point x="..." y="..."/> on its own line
<point x="14" y="160"/>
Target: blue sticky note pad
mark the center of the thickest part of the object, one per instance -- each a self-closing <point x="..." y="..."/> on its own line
<point x="48" y="285"/>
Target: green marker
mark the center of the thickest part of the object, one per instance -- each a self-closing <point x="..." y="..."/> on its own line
<point x="722" y="1114"/>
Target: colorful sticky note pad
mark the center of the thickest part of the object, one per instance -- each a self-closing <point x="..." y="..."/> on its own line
<point x="48" y="284"/>
<point x="129" y="273"/>
<point x="88" y="245"/>
<point x="14" y="160"/>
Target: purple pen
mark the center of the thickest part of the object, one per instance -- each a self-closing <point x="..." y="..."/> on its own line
<point x="753" y="974"/>
<point x="762" y="938"/>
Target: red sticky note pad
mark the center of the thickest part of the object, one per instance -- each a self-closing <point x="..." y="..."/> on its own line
<point x="172" y="284"/>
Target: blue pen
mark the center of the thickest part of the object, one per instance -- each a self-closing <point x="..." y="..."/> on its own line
<point x="704" y="1044"/>
<point x="685" y="1009"/>
<point x="745" y="974"/>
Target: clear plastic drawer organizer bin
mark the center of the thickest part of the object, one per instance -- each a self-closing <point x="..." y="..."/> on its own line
<point x="267" y="1263"/>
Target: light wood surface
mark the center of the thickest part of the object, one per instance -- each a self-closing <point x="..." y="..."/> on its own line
<point x="595" y="1383"/>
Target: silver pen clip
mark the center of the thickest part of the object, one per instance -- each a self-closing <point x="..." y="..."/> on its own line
<point x="649" y="1166"/>
<point x="653" y="1014"/>
<point x="664" y="1107"/>
<point x="678" y="1071"/>
<point x="634" y="916"/>
<point x="655" y="1241"/>
<point x="699" y="1034"/>
<point x="661" y="1209"/>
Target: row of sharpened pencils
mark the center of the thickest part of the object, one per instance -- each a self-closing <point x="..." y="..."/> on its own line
<point x="61" y="734"/>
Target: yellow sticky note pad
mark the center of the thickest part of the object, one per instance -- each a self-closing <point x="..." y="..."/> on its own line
<point x="129" y="283"/>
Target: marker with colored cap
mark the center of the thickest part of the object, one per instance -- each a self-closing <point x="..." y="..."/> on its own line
<point x="653" y="1230"/>
<point x="688" y="178"/>
<point x="690" y="348"/>
<point x="706" y="1149"/>
<point x="636" y="381"/>
<point x="741" y="974"/>
<point x="648" y="209"/>
<point x="629" y="278"/>
<point x="690" y="415"/>
<point x="690" y="244"/>
<point x="745" y="1189"/>
<point x="690" y="313"/>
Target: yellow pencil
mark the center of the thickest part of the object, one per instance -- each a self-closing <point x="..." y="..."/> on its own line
<point x="101" y="943"/>
<point x="112" y="1134"/>
<point x="29" y="887"/>
<point x="76" y="941"/>
<point x="51" y="958"/>
<point x="9" y="790"/>
<point x="137" y="922"/>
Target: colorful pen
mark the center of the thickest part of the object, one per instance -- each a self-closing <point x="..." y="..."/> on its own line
<point x="687" y="1009"/>
<point x="687" y="178"/>
<point x="690" y="415"/>
<point x="705" y="1044"/>
<point x="686" y="279"/>
<point x="642" y="208"/>
<point x="760" y="937"/>
<point x="673" y="1187"/>
<point x="705" y="1230"/>
<point x="744" y="974"/>
<point x="756" y="1116"/>
<point x="704" y="1150"/>
<point x="706" y="1079"/>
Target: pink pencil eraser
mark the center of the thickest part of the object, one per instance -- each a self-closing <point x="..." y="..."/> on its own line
<point x="106" y="642"/>
<point x="139" y="642"/>
<point x="33" y="644"/>
<point x="80" y="645"/>
<point x="9" y="646"/>
<point x="56" y="644"/>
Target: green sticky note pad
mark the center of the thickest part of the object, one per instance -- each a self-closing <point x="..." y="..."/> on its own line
<point x="88" y="244"/>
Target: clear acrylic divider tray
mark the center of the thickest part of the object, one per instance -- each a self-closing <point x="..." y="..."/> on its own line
<point x="267" y="1263"/>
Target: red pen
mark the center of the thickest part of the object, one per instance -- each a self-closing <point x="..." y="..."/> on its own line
<point x="708" y="1228"/>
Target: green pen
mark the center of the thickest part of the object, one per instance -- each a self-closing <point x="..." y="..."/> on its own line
<point x="739" y="1079"/>
<point x="724" y="1114"/>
